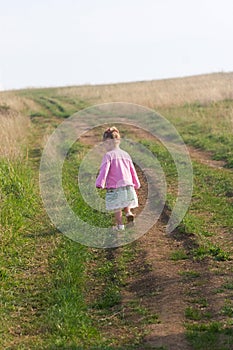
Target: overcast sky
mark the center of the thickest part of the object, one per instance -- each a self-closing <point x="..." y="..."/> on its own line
<point x="73" y="42"/>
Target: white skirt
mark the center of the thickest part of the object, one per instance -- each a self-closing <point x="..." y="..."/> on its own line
<point x="122" y="197"/>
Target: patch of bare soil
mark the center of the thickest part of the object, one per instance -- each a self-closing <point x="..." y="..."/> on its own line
<point x="205" y="157"/>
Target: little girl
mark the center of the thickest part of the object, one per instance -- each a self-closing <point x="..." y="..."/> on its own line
<point x="118" y="175"/>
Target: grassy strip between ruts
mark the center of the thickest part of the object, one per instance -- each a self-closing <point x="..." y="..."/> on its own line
<point x="104" y="274"/>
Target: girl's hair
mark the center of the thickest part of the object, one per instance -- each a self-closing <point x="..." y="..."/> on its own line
<point x="111" y="133"/>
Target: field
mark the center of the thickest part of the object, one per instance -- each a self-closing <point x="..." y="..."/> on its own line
<point x="162" y="291"/>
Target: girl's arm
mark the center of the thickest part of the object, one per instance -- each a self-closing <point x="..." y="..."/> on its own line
<point x="104" y="169"/>
<point x="134" y="176"/>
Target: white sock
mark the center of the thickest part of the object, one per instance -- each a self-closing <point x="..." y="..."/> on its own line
<point x="121" y="227"/>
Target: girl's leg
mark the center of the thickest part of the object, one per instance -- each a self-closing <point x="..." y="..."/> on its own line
<point x="118" y="217"/>
<point x="127" y="211"/>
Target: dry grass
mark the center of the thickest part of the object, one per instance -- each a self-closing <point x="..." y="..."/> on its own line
<point x="159" y="93"/>
<point x="153" y="94"/>
<point x="11" y="100"/>
<point x="13" y="132"/>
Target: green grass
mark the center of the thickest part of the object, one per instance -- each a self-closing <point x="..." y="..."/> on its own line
<point x="68" y="317"/>
<point x="210" y="207"/>
<point x="190" y="274"/>
<point x="54" y="303"/>
<point x="58" y="294"/>
<point x="45" y="276"/>
<point x="213" y="335"/>
<point x="52" y="104"/>
<point x="19" y="204"/>
<point x="179" y="255"/>
<point x="228" y="285"/>
<point x="195" y="314"/>
<point x="210" y="213"/>
<point x="111" y="266"/>
<point x="205" y="126"/>
<point x="227" y="309"/>
<point x="72" y="191"/>
<point x="211" y="251"/>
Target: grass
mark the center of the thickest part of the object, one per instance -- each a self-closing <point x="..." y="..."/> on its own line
<point x="210" y="188"/>
<point x="18" y="209"/>
<point x="190" y="274"/>
<point x="54" y="307"/>
<point x="58" y="294"/>
<point x="158" y="93"/>
<point x="53" y="303"/>
<point x="50" y="103"/>
<point x="73" y="194"/>
<point x="68" y="318"/>
<point x="110" y="272"/>
<point x="227" y="309"/>
<point x="228" y="285"/>
<point x="206" y="126"/>
<point x="210" y="335"/>
<point x="211" y="251"/>
<point x="195" y="314"/>
<point x="14" y="130"/>
<point x="209" y="214"/>
<point x="179" y="255"/>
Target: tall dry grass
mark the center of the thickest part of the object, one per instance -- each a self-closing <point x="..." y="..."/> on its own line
<point x="159" y="93"/>
<point x="12" y="100"/>
<point x="14" y="128"/>
<point x="155" y="94"/>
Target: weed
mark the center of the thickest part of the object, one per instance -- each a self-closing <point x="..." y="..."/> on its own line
<point x="190" y="274"/>
<point x="179" y="255"/>
<point x="210" y="251"/>
<point x="228" y="285"/>
<point x="195" y="314"/>
<point x="201" y="302"/>
<point x="227" y="309"/>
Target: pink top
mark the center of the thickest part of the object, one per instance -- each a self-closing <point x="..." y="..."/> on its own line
<point x="117" y="170"/>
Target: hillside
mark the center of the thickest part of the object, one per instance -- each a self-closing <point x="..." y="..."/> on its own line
<point x="162" y="291"/>
<point x="155" y="93"/>
<point x="160" y="93"/>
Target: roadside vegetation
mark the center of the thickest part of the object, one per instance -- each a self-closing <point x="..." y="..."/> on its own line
<point x="58" y="294"/>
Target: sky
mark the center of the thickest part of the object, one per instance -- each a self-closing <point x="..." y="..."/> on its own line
<point x="49" y="43"/>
